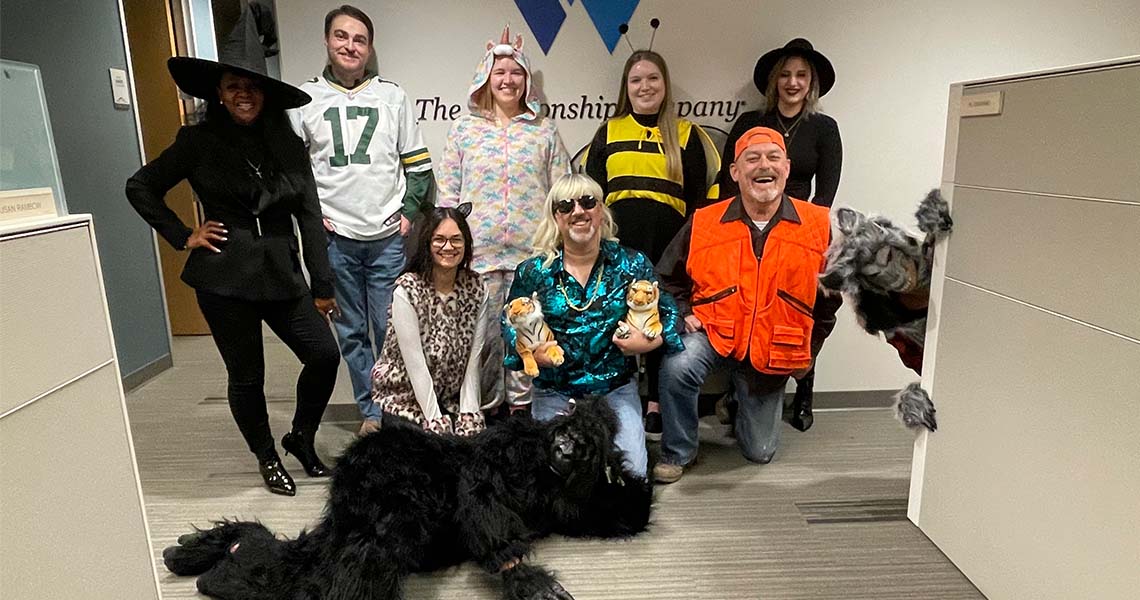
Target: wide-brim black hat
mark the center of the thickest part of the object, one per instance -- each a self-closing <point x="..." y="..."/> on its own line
<point x="199" y="78"/>
<point x="797" y="47"/>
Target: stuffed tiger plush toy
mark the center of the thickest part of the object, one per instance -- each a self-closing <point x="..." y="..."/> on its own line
<point x="642" y="300"/>
<point x="525" y="316"/>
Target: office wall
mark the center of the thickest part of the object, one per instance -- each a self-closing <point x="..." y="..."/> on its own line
<point x="74" y="43"/>
<point x="894" y="63"/>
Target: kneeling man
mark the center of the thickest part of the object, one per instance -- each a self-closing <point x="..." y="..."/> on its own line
<point x="744" y="273"/>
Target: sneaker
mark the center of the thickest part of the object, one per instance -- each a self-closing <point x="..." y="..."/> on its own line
<point x="653" y="425"/>
<point x="667" y="473"/>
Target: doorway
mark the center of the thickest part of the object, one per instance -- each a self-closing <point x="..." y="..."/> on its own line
<point x="155" y="32"/>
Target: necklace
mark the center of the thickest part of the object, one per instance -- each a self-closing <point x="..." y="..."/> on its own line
<point x="256" y="168"/>
<point x="788" y="129"/>
<point x="590" y="301"/>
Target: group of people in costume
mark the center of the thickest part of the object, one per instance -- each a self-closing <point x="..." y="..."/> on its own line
<point x="727" y="245"/>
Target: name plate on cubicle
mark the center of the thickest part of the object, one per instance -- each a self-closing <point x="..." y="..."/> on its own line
<point x="27" y="203"/>
<point x="981" y="104"/>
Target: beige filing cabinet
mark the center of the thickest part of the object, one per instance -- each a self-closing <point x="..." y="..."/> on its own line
<point x="1031" y="485"/>
<point x="72" y="523"/>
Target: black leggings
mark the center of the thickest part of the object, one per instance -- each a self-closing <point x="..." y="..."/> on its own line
<point x="652" y="375"/>
<point x="236" y="327"/>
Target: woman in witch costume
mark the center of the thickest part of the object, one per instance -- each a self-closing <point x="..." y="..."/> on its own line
<point x="251" y="175"/>
<point x="793" y="79"/>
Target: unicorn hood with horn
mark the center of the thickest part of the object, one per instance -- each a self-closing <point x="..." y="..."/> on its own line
<point x="504" y="48"/>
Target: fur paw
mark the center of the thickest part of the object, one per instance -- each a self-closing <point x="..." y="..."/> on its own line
<point x="933" y="214"/>
<point x="528" y="582"/>
<point x="556" y="355"/>
<point x="194" y="554"/>
<point x="530" y="367"/>
<point x="556" y="592"/>
<point x="914" y="408"/>
<point x="200" y="550"/>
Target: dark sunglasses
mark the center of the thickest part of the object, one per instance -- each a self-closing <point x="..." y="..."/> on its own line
<point x="566" y="206"/>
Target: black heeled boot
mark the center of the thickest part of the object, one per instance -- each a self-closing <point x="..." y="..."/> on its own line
<point x="801" y="416"/>
<point x="276" y="478"/>
<point x="301" y="446"/>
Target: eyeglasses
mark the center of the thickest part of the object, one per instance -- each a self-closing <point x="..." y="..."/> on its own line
<point x="439" y="242"/>
<point x="566" y="206"/>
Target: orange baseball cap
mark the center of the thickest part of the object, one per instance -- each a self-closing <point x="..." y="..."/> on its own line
<point x="759" y="135"/>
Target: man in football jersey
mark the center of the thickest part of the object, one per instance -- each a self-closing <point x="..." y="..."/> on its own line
<point x="373" y="175"/>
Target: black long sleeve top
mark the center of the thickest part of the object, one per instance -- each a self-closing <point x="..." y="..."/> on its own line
<point x="815" y="149"/>
<point x="255" y="191"/>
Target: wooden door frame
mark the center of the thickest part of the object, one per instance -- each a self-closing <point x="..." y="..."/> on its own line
<point x="150" y="50"/>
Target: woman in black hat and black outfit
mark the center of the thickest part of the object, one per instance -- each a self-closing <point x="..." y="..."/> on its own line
<point x="251" y="174"/>
<point x="793" y="79"/>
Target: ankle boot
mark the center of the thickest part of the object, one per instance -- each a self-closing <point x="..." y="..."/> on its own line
<point x="276" y="478"/>
<point x="300" y="445"/>
<point x="801" y="415"/>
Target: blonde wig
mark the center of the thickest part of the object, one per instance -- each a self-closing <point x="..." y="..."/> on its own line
<point x="547" y="239"/>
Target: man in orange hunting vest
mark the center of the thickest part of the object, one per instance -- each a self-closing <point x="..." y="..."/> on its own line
<point x="744" y="273"/>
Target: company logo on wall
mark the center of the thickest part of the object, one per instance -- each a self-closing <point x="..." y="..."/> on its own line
<point x="545" y="18"/>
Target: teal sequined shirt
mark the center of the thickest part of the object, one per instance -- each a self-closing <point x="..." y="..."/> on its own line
<point x="594" y="364"/>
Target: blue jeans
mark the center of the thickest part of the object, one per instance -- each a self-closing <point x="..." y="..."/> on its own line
<point x="760" y="401"/>
<point x="365" y="272"/>
<point x="626" y="404"/>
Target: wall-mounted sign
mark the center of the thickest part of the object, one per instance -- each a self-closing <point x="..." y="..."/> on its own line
<point x="979" y="105"/>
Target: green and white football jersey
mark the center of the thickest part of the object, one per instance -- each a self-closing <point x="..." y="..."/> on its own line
<point x="360" y="141"/>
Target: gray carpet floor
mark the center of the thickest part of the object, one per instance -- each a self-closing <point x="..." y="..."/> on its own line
<point x="827" y="519"/>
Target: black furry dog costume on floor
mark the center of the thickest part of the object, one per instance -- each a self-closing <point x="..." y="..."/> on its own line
<point x="403" y="501"/>
<point x="885" y="272"/>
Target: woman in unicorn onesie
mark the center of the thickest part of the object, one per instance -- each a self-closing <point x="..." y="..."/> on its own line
<point x="501" y="159"/>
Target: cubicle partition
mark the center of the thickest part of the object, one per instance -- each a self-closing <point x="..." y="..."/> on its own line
<point x="1031" y="485"/>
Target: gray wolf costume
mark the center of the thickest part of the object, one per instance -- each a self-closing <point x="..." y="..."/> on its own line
<point x="402" y="500"/>
<point x="885" y="273"/>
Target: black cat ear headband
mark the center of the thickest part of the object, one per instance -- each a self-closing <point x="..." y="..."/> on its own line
<point x="623" y="29"/>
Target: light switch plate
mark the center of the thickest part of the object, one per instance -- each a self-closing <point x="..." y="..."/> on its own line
<point x="120" y="89"/>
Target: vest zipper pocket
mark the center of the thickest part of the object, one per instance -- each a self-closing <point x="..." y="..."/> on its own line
<point x="796" y="303"/>
<point x="717" y="296"/>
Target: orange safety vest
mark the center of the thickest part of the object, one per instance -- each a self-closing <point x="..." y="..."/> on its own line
<point x="758" y="309"/>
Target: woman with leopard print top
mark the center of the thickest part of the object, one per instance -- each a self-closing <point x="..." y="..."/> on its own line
<point x="428" y="371"/>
